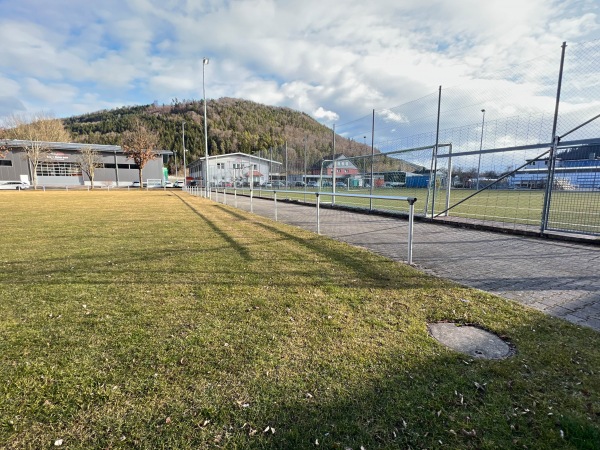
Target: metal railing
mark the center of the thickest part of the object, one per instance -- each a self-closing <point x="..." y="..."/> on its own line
<point x="222" y="194"/>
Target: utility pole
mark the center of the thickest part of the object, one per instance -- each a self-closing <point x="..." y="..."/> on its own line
<point x="183" y="145"/>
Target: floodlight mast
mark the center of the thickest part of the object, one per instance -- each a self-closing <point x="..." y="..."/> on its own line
<point x="204" y="64"/>
<point x="183" y="149"/>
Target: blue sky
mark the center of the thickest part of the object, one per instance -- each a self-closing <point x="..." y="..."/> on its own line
<point x="335" y="60"/>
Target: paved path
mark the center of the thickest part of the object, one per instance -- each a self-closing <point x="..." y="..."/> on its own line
<point x="559" y="278"/>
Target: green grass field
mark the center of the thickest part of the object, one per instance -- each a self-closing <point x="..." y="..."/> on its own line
<point x="156" y="319"/>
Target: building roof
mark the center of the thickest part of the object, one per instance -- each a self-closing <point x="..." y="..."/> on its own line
<point x="237" y="154"/>
<point x="75" y="146"/>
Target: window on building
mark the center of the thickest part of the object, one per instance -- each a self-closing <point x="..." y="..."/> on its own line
<point x="120" y="166"/>
<point x="58" y="169"/>
<point x="5" y="162"/>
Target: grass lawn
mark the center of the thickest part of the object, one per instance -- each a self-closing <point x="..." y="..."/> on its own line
<point x="161" y="320"/>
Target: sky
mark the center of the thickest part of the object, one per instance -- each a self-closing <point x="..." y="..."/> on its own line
<point x="334" y="60"/>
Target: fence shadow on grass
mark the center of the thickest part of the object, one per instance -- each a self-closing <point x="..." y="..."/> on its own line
<point x="381" y="273"/>
<point x="243" y="251"/>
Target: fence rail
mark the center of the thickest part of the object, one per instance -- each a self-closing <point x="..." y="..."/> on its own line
<point x="221" y="195"/>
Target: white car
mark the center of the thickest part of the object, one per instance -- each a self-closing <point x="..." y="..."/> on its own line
<point x="14" y="185"/>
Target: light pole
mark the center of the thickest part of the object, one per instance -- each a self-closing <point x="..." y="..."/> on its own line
<point x="304" y="180"/>
<point x="183" y="145"/>
<point x="204" y="64"/>
<point x="365" y="163"/>
<point x="480" y="148"/>
<point x="175" y="154"/>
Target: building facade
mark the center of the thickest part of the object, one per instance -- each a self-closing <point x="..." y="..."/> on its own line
<point x="59" y="167"/>
<point x="235" y="169"/>
<point x="574" y="174"/>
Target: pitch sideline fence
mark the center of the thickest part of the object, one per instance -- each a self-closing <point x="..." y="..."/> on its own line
<point x="536" y="170"/>
<point x="230" y="196"/>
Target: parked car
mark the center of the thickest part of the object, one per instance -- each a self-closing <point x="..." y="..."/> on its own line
<point x="340" y="184"/>
<point x="137" y="184"/>
<point x="327" y="184"/>
<point x="312" y="184"/>
<point x="299" y="184"/>
<point x="15" y="185"/>
<point x="178" y="184"/>
<point x="278" y="184"/>
<point x="168" y="184"/>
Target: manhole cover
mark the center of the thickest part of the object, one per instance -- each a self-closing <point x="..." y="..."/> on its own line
<point x="470" y="340"/>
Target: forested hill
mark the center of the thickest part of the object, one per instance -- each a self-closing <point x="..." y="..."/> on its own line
<point x="234" y="125"/>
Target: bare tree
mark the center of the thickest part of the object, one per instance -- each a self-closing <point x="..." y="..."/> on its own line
<point x="88" y="160"/>
<point x="141" y="145"/>
<point x="3" y="149"/>
<point x="37" y="130"/>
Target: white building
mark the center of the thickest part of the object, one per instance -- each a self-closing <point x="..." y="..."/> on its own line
<point x="236" y="169"/>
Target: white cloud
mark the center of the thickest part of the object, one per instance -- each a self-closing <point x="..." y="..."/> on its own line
<point x="328" y="116"/>
<point x="324" y="58"/>
<point x="390" y="116"/>
<point x="50" y="93"/>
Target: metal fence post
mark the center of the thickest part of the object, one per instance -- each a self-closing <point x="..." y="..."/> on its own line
<point x="235" y="197"/>
<point x="555" y="139"/>
<point x="224" y="196"/>
<point x="448" y="181"/>
<point x="275" y="201"/>
<point x="435" y="154"/>
<point x="411" y="221"/>
<point x="251" y="204"/>
<point x="318" y="214"/>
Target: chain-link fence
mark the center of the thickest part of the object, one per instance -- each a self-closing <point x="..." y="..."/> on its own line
<point x="518" y="148"/>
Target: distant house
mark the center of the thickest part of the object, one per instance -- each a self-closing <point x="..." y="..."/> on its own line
<point x="344" y="168"/>
<point x="236" y="169"/>
<point x="60" y="167"/>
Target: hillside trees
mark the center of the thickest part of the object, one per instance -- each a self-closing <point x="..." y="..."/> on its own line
<point x="234" y="125"/>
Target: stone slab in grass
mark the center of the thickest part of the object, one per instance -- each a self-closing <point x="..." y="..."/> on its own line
<point x="470" y="340"/>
